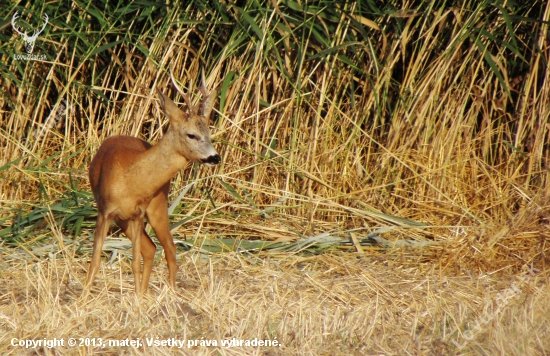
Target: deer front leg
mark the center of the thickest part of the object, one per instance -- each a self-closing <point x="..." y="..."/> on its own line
<point x="148" y="250"/>
<point x="135" y="229"/>
<point x="157" y="216"/>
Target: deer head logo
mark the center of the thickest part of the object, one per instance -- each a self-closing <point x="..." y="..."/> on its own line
<point x="29" y="40"/>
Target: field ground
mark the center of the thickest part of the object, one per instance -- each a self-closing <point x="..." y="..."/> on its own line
<point x="392" y="302"/>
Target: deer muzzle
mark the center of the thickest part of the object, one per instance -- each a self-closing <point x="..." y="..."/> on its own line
<point x="212" y="160"/>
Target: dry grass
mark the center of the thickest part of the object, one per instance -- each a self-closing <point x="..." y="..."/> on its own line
<point x="396" y="155"/>
<point x="390" y="303"/>
<point x="383" y="301"/>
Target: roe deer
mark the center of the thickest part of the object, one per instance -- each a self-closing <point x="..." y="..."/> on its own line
<point x="130" y="179"/>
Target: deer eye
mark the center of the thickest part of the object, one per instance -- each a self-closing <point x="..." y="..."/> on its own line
<point x="192" y="137"/>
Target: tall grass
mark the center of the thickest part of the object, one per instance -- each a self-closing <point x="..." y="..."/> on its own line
<point x="332" y="117"/>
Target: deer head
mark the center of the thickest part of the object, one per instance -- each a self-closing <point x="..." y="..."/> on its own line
<point x="189" y="130"/>
<point x="29" y="40"/>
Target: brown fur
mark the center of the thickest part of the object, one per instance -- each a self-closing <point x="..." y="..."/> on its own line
<point x="130" y="180"/>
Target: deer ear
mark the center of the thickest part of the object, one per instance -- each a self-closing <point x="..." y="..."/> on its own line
<point x="170" y="108"/>
<point x="208" y="103"/>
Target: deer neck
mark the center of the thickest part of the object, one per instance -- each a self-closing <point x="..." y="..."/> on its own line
<point x="157" y="165"/>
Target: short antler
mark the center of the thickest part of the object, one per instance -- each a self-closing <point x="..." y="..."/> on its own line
<point x="208" y="99"/>
<point x="202" y="87"/>
<point x="205" y="107"/>
<point x="183" y="95"/>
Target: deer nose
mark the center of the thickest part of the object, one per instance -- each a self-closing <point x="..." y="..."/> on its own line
<point x="212" y="160"/>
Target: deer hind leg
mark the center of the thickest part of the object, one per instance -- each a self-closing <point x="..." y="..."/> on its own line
<point x="147" y="250"/>
<point x="102" y="227"/>
<point x="157" y="215"/>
